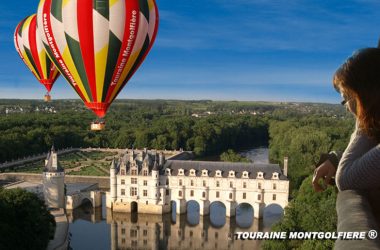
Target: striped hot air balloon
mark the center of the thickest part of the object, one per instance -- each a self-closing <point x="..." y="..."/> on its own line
<point x="29" y="46"/>
<point x="98" y="44"/>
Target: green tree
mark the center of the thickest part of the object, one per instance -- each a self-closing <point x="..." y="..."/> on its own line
<point x="232" y="156"/>
<point x="25" y="221"/>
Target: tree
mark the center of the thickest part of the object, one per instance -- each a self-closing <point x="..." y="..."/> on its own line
<point x="232" y="156"/>
<point x="25" y="221"/>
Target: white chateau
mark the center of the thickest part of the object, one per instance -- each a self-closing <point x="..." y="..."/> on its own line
<point x="145" y="182"/>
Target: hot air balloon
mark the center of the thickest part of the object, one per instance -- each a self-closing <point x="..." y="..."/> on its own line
<point x="29" y="46"/>
<point x="98" y="45"/>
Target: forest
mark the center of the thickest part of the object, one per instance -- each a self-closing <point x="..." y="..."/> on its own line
<point x="301" y="131"/>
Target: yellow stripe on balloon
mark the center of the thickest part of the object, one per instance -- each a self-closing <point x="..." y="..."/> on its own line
<point x="150" y="4"/>
<point x="64" y="3"/>
<point x="55" y="73"/>
<point x="29" y="64"/>
<point x="100" y="67"/>
<point x="42" y="57"/>
<point x="71" y="67"/>
<point x="112" y="2"/>
<point x="127" y="69"/>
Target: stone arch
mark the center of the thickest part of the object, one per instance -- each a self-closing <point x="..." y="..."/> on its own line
<point x="244" y="215"/>
<point x="86" y="201"/>
<point x="217" y="214"/>
<point x="192" y="215"/>
<point x="272" y="213"/>
<point x="173" y="213"/>
<point x="134" y="207"/>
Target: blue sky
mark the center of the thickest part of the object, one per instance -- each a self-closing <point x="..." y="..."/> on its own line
<point x="225" y="50"/>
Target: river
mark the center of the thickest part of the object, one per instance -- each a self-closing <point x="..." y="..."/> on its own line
<point x="99" y="228"/>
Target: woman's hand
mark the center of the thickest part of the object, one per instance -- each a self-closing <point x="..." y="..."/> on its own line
<point x="325" y="171"/>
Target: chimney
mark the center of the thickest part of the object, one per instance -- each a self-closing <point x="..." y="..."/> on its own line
<point x="285" y="166"/>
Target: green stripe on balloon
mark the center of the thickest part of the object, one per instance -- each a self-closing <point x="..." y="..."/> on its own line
<point x="76" y="54"/>
<point x="113" y="55"/>
<point x="56" y="9"/>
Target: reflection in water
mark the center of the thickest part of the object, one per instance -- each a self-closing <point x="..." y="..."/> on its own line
<point x="101" y="229"/>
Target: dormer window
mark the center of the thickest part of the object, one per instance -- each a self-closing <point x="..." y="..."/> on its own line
<point x="192" y="172"/>
<point x="260" y="175"/>
<point x="245" y="174"/>
<point x="122" y="172"/>
<point x="167" y="171"/>
<point x="275" y="175"/>
<point x="231" y="174"/>
<point x="180" y="172"/>
<point x="133" y="171"/>
<point x="218" y="173"/>
<point x="145" y="172"/>
<point x="204" y="173"/>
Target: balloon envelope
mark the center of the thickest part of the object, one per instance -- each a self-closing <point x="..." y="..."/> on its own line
<point x="29" y="46"/>
<point x="98" y="45"/>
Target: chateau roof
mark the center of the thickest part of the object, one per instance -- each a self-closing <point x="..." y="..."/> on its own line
<point x="49" y="164"/>
<point x="225" y="167"/>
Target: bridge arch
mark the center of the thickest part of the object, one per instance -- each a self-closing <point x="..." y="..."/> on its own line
<point x="86" y="201"/>
<point x="134" y="207"/>
<point x="193" y="215"/>
<point x="217" y="214"/>
<point x="244" y="215"/>
<point x="272" y="213"/>
<point x="173" y="211"/>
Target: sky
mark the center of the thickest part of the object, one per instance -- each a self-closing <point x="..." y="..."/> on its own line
<point x="249" y="50"/>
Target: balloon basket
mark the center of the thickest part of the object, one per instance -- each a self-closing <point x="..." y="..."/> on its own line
<point x="98" y="125"/>
<point x="47" y="98"/>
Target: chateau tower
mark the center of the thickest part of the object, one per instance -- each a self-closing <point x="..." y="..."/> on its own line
<point x="53" y="178"/>
<point x="113" y="183"/>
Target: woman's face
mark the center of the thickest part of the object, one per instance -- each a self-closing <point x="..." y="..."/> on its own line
<point x="349" y="102"/>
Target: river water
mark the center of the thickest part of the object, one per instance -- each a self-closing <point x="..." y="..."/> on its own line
<point x="99" y="228"/>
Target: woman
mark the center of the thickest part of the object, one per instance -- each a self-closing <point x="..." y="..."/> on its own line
<point x="358" y="81"/>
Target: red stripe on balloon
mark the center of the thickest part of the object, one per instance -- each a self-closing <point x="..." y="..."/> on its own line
<point x="48" y="31"/>
<point x="147" y="51"/>
<point x="86" y="40"/>
<point x="19" y="26"/>
<point x="33" y="46"/>
<point x="132" y="8"/>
